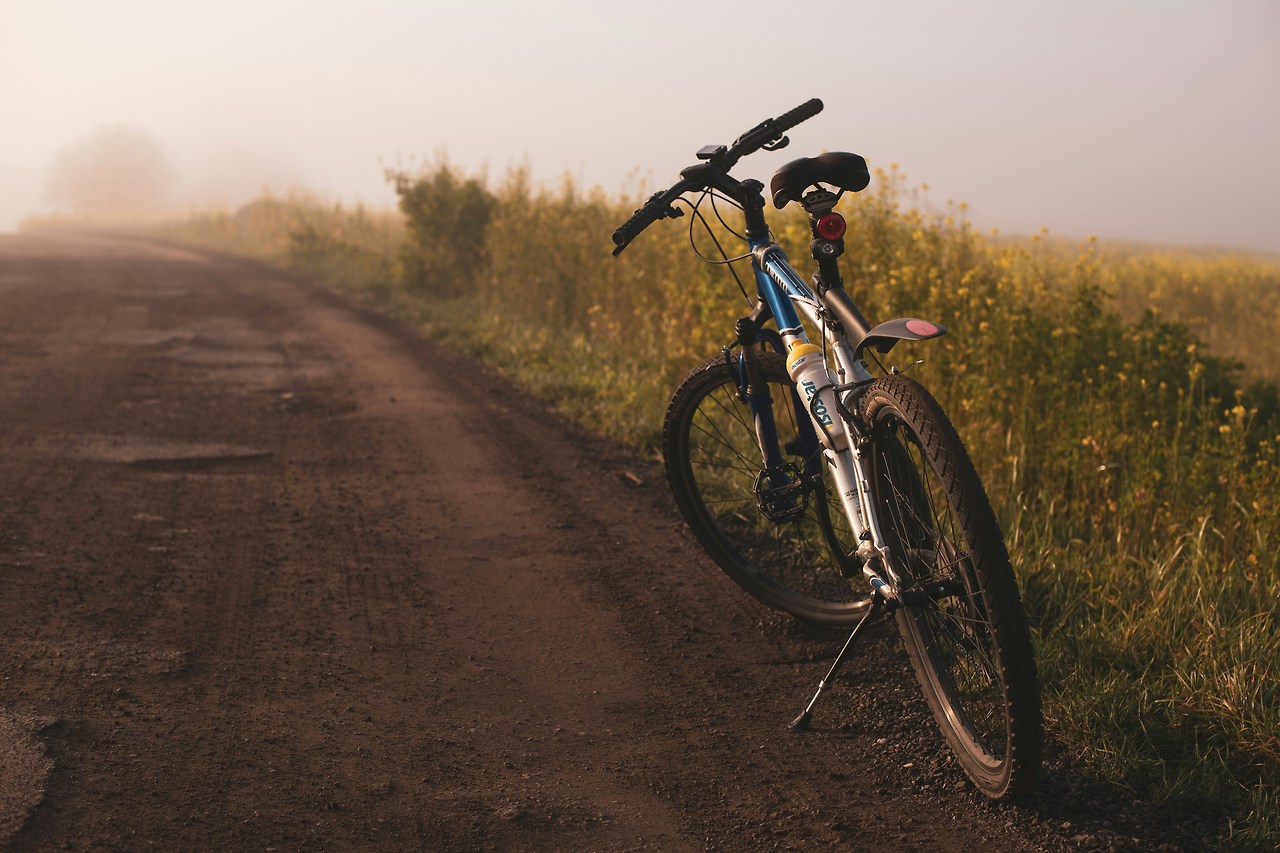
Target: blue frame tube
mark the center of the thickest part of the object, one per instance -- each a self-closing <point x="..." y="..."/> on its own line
<point x="774" y="287"/>
<point x="777" y="283"/>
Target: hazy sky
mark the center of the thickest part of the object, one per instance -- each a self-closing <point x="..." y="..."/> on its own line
<point x="1153" y="120"/>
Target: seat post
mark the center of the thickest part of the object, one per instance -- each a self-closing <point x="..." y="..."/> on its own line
<point x="825" y="250"/>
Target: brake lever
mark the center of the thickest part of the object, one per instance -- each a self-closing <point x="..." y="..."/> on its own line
<point x="780" y="142"/>
<point x="672" y="212"/>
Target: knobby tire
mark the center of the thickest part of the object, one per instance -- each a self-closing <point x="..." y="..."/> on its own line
<point x="971" y="651"/>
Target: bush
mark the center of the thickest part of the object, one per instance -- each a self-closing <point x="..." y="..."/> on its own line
<point x="447" y="218"/>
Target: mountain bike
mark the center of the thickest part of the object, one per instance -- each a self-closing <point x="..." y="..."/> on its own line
<point x="833" y="493"/>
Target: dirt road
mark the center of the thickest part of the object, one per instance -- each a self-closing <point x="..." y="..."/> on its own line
<point x="274" y="574"/>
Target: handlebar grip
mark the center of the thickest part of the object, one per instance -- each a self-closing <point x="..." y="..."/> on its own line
<point x="790" y="119"/>
<point x="640" y="220"/>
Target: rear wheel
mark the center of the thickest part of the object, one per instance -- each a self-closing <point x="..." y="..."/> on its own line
<point x="964" y="628"/>
<point x="779" y="534"/>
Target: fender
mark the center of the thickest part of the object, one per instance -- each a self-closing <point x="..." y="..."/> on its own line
<point x="888" y="333"/>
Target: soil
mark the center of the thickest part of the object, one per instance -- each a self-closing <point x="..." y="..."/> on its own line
<point x="276" y="573"/>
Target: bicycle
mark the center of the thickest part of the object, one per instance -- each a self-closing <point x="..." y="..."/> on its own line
<point x="833" y="494"/>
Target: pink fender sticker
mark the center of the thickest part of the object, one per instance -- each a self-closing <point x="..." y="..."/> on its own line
<point x="921" y="327"/>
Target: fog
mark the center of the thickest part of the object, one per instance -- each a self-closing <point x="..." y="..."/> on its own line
<point x="1138" y="120"/>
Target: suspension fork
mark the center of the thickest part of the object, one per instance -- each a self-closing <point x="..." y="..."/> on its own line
<point x="754" y="389"/>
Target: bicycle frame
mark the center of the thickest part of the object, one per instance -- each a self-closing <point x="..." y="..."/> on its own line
<point x="785" y="296"/>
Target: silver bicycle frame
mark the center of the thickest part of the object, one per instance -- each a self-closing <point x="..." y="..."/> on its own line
<point x="780" y="285"/>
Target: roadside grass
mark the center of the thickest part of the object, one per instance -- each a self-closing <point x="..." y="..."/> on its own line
<point x="1134" y="465"/>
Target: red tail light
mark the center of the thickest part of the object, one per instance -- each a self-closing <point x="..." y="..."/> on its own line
<point x="831" y="226"/>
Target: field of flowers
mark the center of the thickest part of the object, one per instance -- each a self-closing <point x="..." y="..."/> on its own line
<point x="1120" y="403"/>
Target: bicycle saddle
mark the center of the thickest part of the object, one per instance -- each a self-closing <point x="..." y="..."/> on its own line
<point x="846" y="171"/>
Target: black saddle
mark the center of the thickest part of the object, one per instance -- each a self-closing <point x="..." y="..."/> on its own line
<point x="846" y="171"/>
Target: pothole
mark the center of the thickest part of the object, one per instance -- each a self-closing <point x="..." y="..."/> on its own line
<point x="146" y="338"/>
<point x="157" y="454"/>
<point x="212" y="356"/>
<point x="238" y="458"/>
<point x="156" y="293"/>
<point x="100" y="659"/>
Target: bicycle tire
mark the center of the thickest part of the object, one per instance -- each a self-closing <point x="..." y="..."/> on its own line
<point x="971" y="651"/>
<point x="713" y="460"/>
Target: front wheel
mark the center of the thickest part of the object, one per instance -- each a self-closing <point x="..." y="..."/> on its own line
<point x="964" y="626"/>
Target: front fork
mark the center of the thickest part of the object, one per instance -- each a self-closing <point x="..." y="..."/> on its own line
<point x="754" y="389"/>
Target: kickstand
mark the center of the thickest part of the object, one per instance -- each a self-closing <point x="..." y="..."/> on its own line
<point x="801" y="723"/>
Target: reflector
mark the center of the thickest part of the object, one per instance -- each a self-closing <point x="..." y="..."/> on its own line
<point x="831" y="226"/>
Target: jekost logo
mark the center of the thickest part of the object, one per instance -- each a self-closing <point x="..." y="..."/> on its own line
<point x="818" y="408"/>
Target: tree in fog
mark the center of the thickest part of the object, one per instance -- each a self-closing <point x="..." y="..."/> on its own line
<point x="113" y="170"/>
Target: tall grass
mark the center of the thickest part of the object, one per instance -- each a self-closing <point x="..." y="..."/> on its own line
<point x="1230" y="301"/>
<point x="1134" y="467"/>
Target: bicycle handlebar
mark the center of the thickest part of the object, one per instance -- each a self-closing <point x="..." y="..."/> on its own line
<point x="771" y="131"/>
<point x="804" y="112"/>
